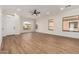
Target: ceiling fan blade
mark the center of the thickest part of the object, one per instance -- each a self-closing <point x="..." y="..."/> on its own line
<point x="67" y="6"/>
<point x="35" y="12"/>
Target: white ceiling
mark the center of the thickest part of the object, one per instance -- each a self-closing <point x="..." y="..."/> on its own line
<point x="25" y="10"/>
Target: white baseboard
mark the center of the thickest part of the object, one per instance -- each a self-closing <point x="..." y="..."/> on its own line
<point x="59" y="35"/>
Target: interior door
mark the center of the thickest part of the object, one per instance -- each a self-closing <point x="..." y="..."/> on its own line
<point x="10" y="25"/>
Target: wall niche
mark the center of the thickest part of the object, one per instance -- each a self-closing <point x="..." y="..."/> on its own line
<point x="51" y="24"/>
<point x="70" y="24"/>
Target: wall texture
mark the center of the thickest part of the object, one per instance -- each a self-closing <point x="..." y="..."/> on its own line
<point x="43" y="24"/>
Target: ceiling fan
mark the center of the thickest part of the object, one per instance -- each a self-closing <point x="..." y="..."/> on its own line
<point x="36" y="12"/>
<point x="65" y="7"/>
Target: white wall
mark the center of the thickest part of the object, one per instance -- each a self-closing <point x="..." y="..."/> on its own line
<point x="0" y="28"/>
<point x="43" y="24"/>
<point x="3" y="25"/>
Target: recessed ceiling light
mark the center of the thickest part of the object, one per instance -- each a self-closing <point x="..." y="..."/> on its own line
<point x="61" y="8"/>
<point x="18" y="9"/>
<point x="47" y="13"/>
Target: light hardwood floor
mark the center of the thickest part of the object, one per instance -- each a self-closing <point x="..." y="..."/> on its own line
<point x="38" y="43"/>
